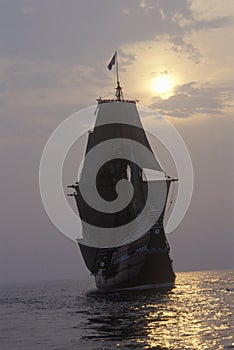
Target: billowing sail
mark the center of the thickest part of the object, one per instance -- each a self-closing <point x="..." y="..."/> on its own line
<point x="116" y="204"/>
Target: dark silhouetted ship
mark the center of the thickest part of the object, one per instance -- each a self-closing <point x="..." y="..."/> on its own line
<point x="126" y="249"/>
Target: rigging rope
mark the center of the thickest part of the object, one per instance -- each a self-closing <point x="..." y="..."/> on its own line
<point x="172" y="195"/>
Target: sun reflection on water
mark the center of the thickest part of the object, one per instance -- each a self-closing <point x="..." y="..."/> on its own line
<point x="193" y="323"/>
<point x="196" y="314"/>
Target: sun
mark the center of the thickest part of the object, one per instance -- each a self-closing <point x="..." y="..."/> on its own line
<point x="163" y="84"/>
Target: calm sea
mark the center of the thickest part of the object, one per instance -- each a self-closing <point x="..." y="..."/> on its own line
<point x="64" y="315"/>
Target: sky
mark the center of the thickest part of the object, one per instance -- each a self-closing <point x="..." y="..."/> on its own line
<point x="53" y="62"/>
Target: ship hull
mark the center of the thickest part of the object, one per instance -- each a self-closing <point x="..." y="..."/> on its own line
<point x="140" y="265"/>
<point x="151" y="270"/>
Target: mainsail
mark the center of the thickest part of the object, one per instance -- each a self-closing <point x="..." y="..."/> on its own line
<point x="118" y="150"/>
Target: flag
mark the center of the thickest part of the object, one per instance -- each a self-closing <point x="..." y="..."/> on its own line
<point x="112" y="62"/>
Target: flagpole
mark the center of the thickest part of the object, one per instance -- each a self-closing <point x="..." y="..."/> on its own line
<point x="119" y="93"/>
<point x="118" y="89"/>
<point x="117" y="67"/>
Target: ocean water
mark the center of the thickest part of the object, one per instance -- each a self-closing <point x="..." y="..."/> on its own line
<point x="65" y="315"/>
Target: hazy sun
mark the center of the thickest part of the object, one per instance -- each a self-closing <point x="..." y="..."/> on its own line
<point x="163" y="84"/>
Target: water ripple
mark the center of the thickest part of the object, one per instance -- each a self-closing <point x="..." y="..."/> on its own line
<point x="197" y="314"/>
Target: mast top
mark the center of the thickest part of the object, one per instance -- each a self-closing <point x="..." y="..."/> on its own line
<point x="119" y="92"/>
<point x="118" y="89"/>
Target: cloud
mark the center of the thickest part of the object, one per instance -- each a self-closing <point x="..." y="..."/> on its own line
<point x="126" y="59"/>
<point x="190" y="22"/>
<point x="184" y="47"/>
<point x="179" y="21"/>
<point x="71" y="34"/>
<point x="185" y="21"/>
<point x="36" y="95"/>
<point x="146" y="5"/>
<point x="193" y="99"/>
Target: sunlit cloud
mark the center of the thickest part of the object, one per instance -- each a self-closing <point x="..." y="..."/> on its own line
<point x="193" y="99"/>
<point x="180" y="48"/>
<point x="146" y="5"/>
<point x="211" y="9"/>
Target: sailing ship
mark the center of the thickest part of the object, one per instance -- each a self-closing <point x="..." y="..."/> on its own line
<point x="126" y="249"/>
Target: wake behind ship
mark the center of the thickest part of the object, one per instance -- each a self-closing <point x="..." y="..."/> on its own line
<point x="123" y="247"/>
